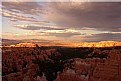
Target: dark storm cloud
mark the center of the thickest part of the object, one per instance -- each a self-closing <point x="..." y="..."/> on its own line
<point x="104" y="16"/>
<point x="104" y="37"/>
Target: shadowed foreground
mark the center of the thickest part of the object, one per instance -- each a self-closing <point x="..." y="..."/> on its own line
<point x="61" y="64"/>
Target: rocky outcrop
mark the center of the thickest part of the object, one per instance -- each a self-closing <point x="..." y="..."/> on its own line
<point x="67" y="44"/>
<point x="100" y="44"/>
<point x="25" y="45"/>
<point x="83" y="44"/>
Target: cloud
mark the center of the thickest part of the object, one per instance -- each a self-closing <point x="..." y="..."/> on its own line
<point x="24" y="11"/>
<point x="103" y="37"/>
<point x="29" y="35"/>
<point x="51" y="30"/>
<point x="101" y="16"/>
<point x="32" y="27"/>
<point x="16" y="16"/>
<point x="32" y="8"/>
<point x="67" y="33"/>
<point x="11" y="34"/>
<point x="64" y="20"/>
<point x="21" y="17"/>
<point x="26" y="27"/>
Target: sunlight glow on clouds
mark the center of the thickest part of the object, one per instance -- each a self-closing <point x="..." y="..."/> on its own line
<point x="82" y="21"/>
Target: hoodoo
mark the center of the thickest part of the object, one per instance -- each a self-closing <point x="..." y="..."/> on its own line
<point x="26" y="45"/>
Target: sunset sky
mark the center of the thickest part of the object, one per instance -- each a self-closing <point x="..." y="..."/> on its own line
<point x="74" y="21"/>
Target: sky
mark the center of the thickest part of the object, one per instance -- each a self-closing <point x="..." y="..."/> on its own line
<point x="73" y="21"/>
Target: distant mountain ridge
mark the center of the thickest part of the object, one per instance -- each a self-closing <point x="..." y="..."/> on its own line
<point x="42" y="42"/>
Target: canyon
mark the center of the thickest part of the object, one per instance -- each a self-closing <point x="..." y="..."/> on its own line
<point x="61" y="63"/>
